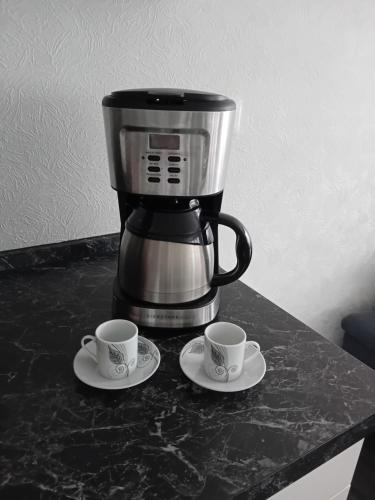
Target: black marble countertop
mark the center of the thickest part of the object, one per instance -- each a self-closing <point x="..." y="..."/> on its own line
<point x="166" y="438"/>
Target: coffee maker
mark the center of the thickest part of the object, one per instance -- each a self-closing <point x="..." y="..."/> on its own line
<point x="168" y="152"/>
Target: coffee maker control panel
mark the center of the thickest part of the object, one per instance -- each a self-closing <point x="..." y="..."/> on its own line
<point x="165" y="167"/>
<point x="167" y="162"/>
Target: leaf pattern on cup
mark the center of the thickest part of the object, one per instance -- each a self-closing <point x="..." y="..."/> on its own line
<point x="218" y="358"/>
<point x="120" y="369"/>
<point x="116" y="356"/>
<point x="217" y="355"/>
<point x="120" y="359"/>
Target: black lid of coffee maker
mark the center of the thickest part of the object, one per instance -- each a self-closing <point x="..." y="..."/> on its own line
<point x="169" y="99"/>
<point x="178" y="226"/>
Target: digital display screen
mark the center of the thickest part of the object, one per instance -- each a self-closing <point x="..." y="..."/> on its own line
<point x="164" y="141"/>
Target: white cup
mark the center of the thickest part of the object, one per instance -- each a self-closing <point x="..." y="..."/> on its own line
<point x="116" y="348"/>
<point x="226" y="350"/>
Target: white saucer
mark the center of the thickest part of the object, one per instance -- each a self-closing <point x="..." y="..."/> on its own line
<point x="191" y="362"/>
<point x="86" y="369"/>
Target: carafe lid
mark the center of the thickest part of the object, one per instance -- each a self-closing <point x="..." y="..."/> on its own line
<point x="168" y="99"/>
<point x="179" y="226"/>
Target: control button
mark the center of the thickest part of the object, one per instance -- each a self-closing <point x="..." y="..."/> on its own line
<point x="153" y="179"/>
<point x="171" y="180"/>
<point x="174" y="170"/>
<point x="174" y="158"/>
<point x="154" y="169"/>
<point x="153" y="157"/>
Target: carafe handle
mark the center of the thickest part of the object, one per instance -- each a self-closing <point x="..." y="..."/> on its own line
<point x="243" y="250"/>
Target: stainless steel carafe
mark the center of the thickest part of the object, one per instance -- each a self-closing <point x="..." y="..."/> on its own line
<point x="167" y="257"/>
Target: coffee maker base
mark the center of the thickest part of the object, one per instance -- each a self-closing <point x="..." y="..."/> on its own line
<point x="176" y="316"/>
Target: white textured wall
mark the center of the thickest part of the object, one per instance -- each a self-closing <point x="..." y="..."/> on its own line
<point x="303" y="162"/>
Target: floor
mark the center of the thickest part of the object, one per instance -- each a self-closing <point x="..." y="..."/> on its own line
<point x="363" y="483"/>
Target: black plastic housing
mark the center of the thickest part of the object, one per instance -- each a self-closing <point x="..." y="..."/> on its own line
<point x="178" y="226"/>
<point x="169" y="99"/>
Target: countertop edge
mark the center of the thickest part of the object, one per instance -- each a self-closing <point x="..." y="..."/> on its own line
<point x="307" y="463"/>
<point x="59" y="254"/>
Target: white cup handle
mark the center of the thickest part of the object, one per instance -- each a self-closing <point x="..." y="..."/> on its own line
<point x="250" y="353"/>
<point x="91" y="337"/>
